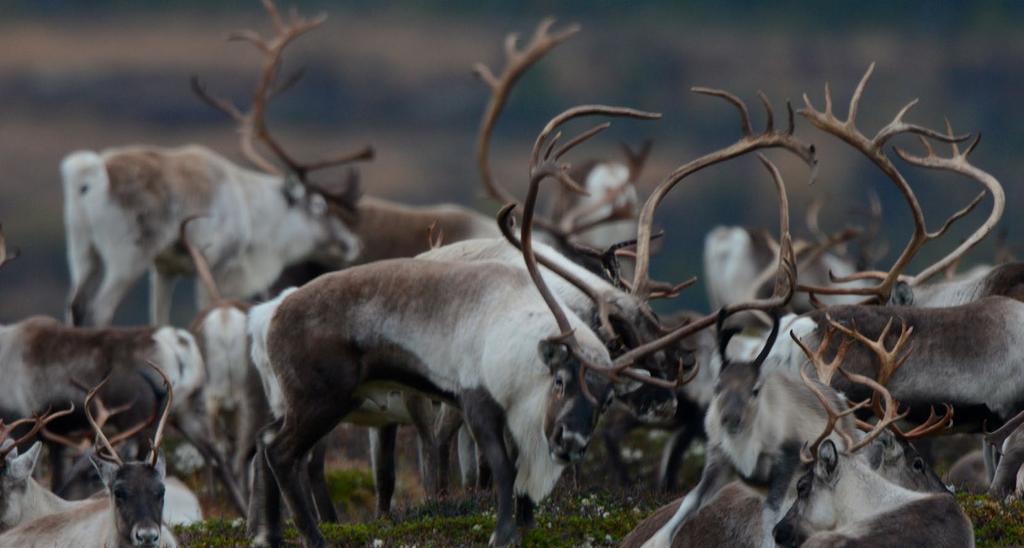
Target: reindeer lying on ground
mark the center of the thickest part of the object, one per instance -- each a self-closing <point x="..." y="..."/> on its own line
<point x="732" y="517"/>
<point x="841" y="501"/>
<point x="21" y="497"/>
<point x="130" y="514"/>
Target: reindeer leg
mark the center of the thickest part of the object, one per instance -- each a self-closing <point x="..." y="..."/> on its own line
<point x="88" y="275"/>
<point x="1004" y="482"/>
<point x="718" y="471"/>
<point x="675" y="450"/>
<point x="421" y="410"/>
<point x="303" y="427"/>
<point x="315" y="471"/>
<point x="616" y="427"/>
<point x="195" y="432"/>
<point x="161" y="287"/>
<point x="382" y="460"/>
<point x="263" y="519"/>
<point x="487" y="421"/>
<point x="446" y="427"/>
<point x="467" y="457"/>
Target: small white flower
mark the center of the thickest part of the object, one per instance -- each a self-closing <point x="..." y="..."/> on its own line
<point x="606" y="515"/>
<point x="608" y="539"/>
<point x="377" y="543"/>
<point x="477" y="527"/>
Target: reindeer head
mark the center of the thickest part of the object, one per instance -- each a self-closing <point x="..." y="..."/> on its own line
<point x="16" y="469"/>
<point x="899" y="462"/>
<point x="739" y="383"/>
<point x="332" y="205"/>
<point x="571" y="416"/>
<point x="817" y="491"/>
<point x="136" y="489"/>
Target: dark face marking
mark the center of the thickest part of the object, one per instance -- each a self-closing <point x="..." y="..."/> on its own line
<point x="137" y="496"/>
<point x="571" y="417"/>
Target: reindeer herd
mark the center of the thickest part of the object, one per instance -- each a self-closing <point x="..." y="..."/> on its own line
<point x="508" y="338"/>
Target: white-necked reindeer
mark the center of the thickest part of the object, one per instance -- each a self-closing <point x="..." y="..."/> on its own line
<point x="130" y="514"/>
<point x="123" y="208"/>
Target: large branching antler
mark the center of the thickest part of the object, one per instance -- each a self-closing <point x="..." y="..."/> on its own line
<point x="252" y="124"/>
<point x="517" y="61"/>
<point x="874" y="149"/>
<point x="785" y="283"/>
<point x="770" y="138"/>
<point x="889" y="361"/>
<point x="38" y="423"/>
<point x="158" y="438"/>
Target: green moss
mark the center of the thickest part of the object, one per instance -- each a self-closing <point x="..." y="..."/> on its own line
<point x="351" y="490"/>
<point x="601" y="518"/>
<point x="995" y="523"/>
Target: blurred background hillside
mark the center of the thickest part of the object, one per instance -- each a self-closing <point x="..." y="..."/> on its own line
<point x="89" y="75"/>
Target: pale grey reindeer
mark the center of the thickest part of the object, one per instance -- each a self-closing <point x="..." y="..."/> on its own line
<point x="130" y="514"/>
<point x="123" y="207"/>
<point x="841" y="500"/>
<point x="732" y="517"/>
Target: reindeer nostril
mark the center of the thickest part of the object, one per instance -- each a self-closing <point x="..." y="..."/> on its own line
<point x="558" y="434"/>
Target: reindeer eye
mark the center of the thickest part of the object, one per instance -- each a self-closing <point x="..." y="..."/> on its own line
<point x="803" y="487"/>
<point x="559" y="382"/>
<point x="918" y="464"/>
<point x="120" y="494"/>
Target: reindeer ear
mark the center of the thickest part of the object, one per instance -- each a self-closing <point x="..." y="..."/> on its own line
<point x="828" y="458"/>
<point x="902" y="295"/>
<point x="891" y="449"/>
<point x="104" y="468"/>
<point x="554" y="354"/>
<point x="20" y="467"/>
<point x="161" y="465"/>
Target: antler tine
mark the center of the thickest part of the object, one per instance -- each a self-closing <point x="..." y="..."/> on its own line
<point x="4" y="256"/>
<point x="873" y="149"/>
<point x="38" y="422"/>
<point x="931" y="426"/>
<point x="959" y="163"/>
<point x="783" y="292"/>
<point x="252" y="124"/>
<point x="747" y="143"/>
<point x="516" y="63"/>
<point x="96" y="426"/>
<point x="159" y="436"/>
<point x="887" y="419"/>
<point x="199" y="260"/>
<point x="832" y="417"/>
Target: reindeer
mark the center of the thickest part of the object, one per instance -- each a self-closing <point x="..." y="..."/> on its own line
<point x="41" y="360"/>
<point x="123" y="207"/>
<point x="732" y="517"/>
<point x="758" y="421"/>
<point x="21" y="497"/>
<point x="130" y="515"/>
<point x="490" y="400"/>
<point x="841" y="500"/>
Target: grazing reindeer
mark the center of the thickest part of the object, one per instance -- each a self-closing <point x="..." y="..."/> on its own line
<point x="874" y="149"/>
<point x="130" y="515"/>
<point x="558" y="400"/>
<point x="841" y="500"/>
<point x="123" y="208"/>
<point x="21" y="497"/>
